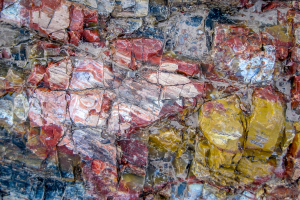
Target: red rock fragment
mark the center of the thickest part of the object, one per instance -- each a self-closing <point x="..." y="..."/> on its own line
<point x="146" y="49"/>
<point x="47" y="107"/>
<point x="87" y="74"/>
<point x="58" y="75"/>
<point x="295" y="92"/>
<point x="282" y="192"/>
<point x="85" y="107"/>
<point x="77" y="18"/>
<point x="134" y="152"/>
<point x="51" y="4"/>
<point x="175" y="65"/>
<point x="269" y="93"/>
<point x="274" y="5"/>
<point x="51" y="134"/>
<point x="75" y="37"/>
<point x="107" y="103"/>
<point x="44" y="144"/>
<point x="91" y="35"/>
<point x="101" y="177"/>
<point x="90" y="17"/>
<point x="6" y="53"/>
<point x="143" y="49"/>
<point x="1" y="5"/>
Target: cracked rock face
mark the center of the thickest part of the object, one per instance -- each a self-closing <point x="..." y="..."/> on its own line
<point x="139" y="99"/>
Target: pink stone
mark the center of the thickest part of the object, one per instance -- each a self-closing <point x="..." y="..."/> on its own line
<point x="170" y="64"/>
<point x="85" y="107"/>
<point x="58" y="74"/>
<point x="77" y="18"/>
<point x="47" y="107"/>
<point x="87" y="74"/>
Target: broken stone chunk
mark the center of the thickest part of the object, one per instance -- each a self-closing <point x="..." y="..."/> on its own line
<point x="68" y="161"/>
<point x="118" y="27"/>
<point x="6" y="114"/>
<point x="37" y="74"/>
<point x="77" y="18"/>
<point x="222" y="123"/>
<point x="131" y="185"/>
<point x="242" y="60"/>
<point x="58" y="75"/>
<point x="21" y="106"/>
<point x="166" y="140"/>
<point x="266" y="122"/>
<point x="258" y="171"/>
<point x="98" y="144"/>
<point x="143" y="49"/>
<point x="185" y="34"/>
<point x="47" y="107"/>
<point x="50" y="135"/>
<point x="295" y="147"/>
<point x="87" y="74"/>
<point x="140" y="8"/>
<point x="295" y="92"/>
<point x="170" y="64"/>
<point x="91" y="35"/>
<point x="85" y="107"/>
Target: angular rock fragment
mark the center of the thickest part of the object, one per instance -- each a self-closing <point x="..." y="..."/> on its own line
<point x="223" y="123"/>
<point x="100" y="172"/>
<point x="140" y="8"/>
<point x="118" y="27"/>
<point x="266" y="123"/>
<point x="240" y="59"/>
<point x="142" y="49"/>
<point x="183" y="67"/>
<point x="256" y="171"/>
<point x="47" y="107"/>
<point x="85" y="107"/>
<point x="21" y="106"/>
<point x="87" y="74"/>
<point x="58" y="75"/>
<point x="295" y="92"/>
<point x="6" y="107"/>
<point x="185" y="34"/>
<point x="37" y="74"/>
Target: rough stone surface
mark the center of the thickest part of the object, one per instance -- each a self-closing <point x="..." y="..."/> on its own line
<point x="139" y="99"/>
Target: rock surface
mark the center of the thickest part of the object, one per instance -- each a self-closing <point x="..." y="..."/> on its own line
<point x="139" y="99"/>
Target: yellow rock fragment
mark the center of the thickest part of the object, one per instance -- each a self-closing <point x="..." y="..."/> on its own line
<point x="288" y="135"/>
<point x="166" y="140"/>
<point x="295" y="147"/>
<point x="265" y="125"/>
<point x="132" y="181"/>
<point x="297" y="127"/>
<point x="180" y="165"/>
<point x="218" y="158"/>
<point x="201" y="152"/>
<point x="222" y="123"/>
<point x="282" y="33"/>
<point x="199" y="170"/>
<point x="254" y="170"/>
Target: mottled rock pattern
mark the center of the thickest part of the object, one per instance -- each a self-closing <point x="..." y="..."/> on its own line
<point x="139" y="99"/>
